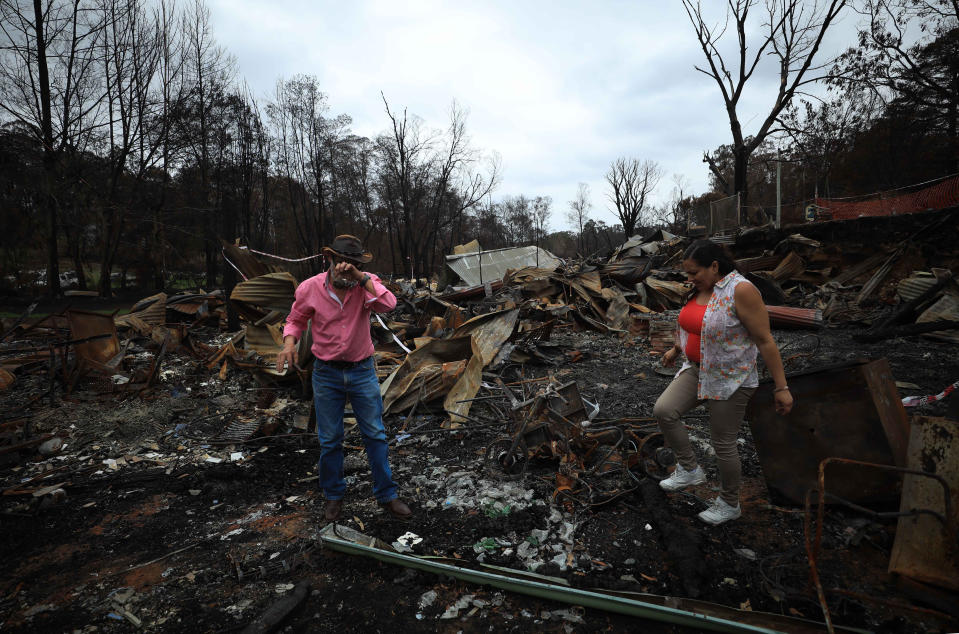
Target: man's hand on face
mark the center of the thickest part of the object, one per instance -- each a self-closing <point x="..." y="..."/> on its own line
<point x="346" y="270"/>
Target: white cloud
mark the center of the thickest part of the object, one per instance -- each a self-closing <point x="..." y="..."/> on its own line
<point x="558" y="89"/>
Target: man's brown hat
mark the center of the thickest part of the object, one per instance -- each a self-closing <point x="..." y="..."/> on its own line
<point x="347" y="247"/>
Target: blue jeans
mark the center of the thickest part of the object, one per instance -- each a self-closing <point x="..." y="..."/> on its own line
<point x="331" y="389"/>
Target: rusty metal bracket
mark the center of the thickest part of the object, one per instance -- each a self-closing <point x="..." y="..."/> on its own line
<point x="813" y="543"/>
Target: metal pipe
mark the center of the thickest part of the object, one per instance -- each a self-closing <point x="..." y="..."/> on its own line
<point x="549" y="591"/>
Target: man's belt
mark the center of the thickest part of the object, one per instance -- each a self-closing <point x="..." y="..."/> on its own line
<point x="342" y="365"/>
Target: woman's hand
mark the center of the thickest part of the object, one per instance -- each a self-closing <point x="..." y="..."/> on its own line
<point x="784" y="401"/>
<point x="670" y="357"/>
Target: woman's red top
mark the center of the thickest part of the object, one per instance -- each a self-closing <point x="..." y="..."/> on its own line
<point x="691" y="320"/>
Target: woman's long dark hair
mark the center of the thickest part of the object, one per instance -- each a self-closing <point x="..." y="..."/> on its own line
<point x="704" y="252"/>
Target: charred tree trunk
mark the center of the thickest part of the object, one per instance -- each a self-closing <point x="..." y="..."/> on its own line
<point x="741" y="185"/>
<point x="47" y="198"/>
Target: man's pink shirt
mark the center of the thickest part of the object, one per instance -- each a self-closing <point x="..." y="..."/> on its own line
<point x="341" y="332"/>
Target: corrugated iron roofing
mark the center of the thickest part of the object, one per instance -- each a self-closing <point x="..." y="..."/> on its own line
<point x="912" y="287"/>
<point x="495" y="263"/>
<point x="789" y="317"/>
<point x="760" y="263"/>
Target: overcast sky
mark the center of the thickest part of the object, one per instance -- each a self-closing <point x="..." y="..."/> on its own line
<point x="558" y="89"/>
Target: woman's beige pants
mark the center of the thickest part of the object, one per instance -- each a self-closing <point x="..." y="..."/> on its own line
<point x="725" y="417"/>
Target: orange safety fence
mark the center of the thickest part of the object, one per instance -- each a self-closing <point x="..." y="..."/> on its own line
<point x="942" y="195"/>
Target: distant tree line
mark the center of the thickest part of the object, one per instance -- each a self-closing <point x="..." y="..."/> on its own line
<point x="129" y="145"/>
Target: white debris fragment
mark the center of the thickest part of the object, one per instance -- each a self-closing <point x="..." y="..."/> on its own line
<point x="405" y="542"/>
<point x="427" y="599"/>
<point x="560" y="560"/>
<point x="462" y="603"/>
<point x="50" y="447"/>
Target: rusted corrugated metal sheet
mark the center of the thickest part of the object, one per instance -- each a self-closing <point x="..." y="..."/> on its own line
<point x="761" y="263"/>
<point x="273" y="291"/>
<point x="790" y="267"/>
<point x="490" y="331"/>
<point x="192" y="304"/>
<point x="267" y="341"/>
<point x="151" y="310"/>
<point x="789" y="317"/>
<point x="912" y="287"/>
<point x="672" y="292"/>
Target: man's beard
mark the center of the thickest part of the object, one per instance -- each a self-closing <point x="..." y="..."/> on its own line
<point x="340" y="282"/>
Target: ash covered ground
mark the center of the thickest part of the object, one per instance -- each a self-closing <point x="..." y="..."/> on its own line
<point x="163" y="527"/>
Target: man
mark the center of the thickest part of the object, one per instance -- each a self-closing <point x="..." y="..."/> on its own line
<point x="339" y="302"/>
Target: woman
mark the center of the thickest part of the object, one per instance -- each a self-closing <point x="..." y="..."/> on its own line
<point x="721" y="329"/>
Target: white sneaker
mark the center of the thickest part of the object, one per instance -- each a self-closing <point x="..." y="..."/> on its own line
<point x="721" y="511"/>
<point x="682" y="478"/>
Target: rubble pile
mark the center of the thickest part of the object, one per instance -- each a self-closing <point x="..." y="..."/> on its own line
<point x="161" y="456"/>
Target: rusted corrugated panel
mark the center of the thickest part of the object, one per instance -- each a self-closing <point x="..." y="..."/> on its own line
<point x="674" y="292"/>
<point x="274" y="291"/>
<point x="789" y="317"/>
<point x="850" y="273"/>
<point x="266" y="340"/>
<point x="489" y="331"/>
<point x="617" y="314"/>
<point x="151" y="310"/>
<point x="628" y="270"/>
<point x="790" y="267"/>
<point x="245" y="261"/>
<point x="761" y="263"/>
<point x="403" y="380"/>
<point x="912" y="287"/>
<point x="459" y="398"/>
<point x="191" y="304"/>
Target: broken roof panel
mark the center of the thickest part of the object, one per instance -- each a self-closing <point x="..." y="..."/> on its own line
<point x="496" y="262"/>
<point x="638" y="246"/>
